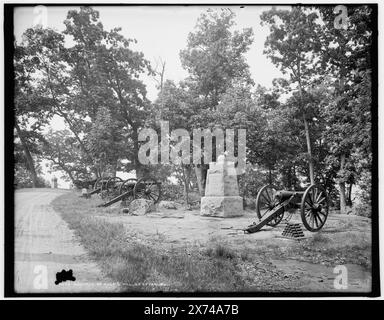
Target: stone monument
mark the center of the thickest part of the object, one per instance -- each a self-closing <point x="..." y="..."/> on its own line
<point x="221" y="192"/>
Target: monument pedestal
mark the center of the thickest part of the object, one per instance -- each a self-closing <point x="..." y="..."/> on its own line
<point x="221" y="192"/>
<point x="231" y="206"/>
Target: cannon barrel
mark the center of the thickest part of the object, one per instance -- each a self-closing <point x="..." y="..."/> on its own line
<point x="282" y="195"/>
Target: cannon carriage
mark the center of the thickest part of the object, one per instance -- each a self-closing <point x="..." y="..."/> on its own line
<point x="114" y="189"/>
<point x="81" y="184"/>
<point x="272" y="205"/>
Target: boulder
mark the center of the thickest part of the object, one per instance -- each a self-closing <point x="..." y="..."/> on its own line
<point x="139" y="207"/>
<point x="224" y="207"/>
<point x="169" y="205"/>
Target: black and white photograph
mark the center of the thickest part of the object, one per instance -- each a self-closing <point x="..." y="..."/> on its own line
<point x="191" y="150"/>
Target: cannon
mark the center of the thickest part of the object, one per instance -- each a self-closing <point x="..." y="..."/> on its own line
<point x="99" y="185"/>
<point x="80" y="184"/>
<point x="116" y="189"/>
<point x="107" y="187"/>
<point x="272" y="204"/>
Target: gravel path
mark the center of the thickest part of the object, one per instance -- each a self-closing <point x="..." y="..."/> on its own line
<point x="44" y="245"/>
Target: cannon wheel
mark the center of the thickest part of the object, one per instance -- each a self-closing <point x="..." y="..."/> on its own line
<point x="100" y="184"/>
<point x="125" y="186"/>
<point x="265" y="202"/>
<point x="314" y="208"/>
<point x="111" y="185"/>
<point x="97" y="184"/>
<point x="147" y="188"/>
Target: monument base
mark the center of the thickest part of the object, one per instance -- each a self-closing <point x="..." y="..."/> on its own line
<point x="222" y="206"/>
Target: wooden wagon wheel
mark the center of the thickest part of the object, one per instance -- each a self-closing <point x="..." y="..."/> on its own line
<point x="100" y="184"/>
<point x="265" y="202"/>
<point x="314" y="208"/>
<point x="147" y="188"/>
<point x="126" y="186"/>
<point x="97" y="184"/>
<point x="111" y="186"/>
<point x="103" y="187"/>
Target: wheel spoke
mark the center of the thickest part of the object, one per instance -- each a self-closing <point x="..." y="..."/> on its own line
<point x="314" y="194"/>
<point x="315" y="219"/>
<point x="152" y="197"/>
<point x="269" y="197"/>
<point x="267" y="201"/>
<point x="156" y="195"/>
<point x="320" y="200"/>
<point x="319" y="196"/>
<point x="312" y="220"/>
<point x="150" y="184"/>
<point x="154" y="189"/>
<point x="321" y="221"/>
<point x="322" y="213"/>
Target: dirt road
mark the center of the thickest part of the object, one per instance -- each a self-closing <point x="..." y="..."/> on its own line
<point x="44" y="245"/>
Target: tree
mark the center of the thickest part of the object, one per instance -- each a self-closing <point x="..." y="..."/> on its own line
<point x="51" y="81"/>
<point x="214" y="59"/>
<point x="64" y="153"/>
<point x="292" y="45"/>
<point x="30" y="115"/>
<point x="347" y="62"/>
<point x="214" y="56"/>
<point x="107" y="75"/>
<point x="99" y="71"/>
<point x="174" y="105"/>
<point x="106" y="141"/>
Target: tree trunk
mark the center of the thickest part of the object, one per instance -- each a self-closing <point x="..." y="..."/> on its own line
<point x="349" y="199"/>
<point x="306" y="128"/>
<point x="342" y="187"/>
<point x="28" y="156"/>
<point x="186" y="176"/>
<point x="343" y="202"/>
<point x="310" y="160"/>
<point x="294" y="177"/>
<point x="136" y="162"/>
<point x="200" y="177"/>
